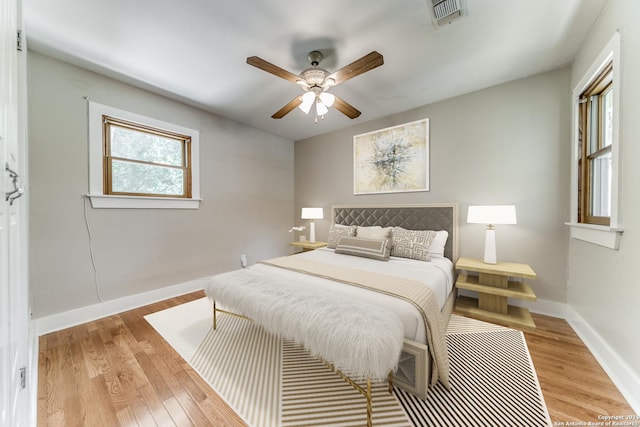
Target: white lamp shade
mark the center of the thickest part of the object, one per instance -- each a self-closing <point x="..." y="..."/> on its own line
<point x="312" y="213"/>
<point x="321" y="109"/>
<point x="492" y="214"/>
<point x="307" y="101"/>
<point x="327" y="98"/>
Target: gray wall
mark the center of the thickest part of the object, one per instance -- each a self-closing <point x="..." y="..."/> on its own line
<point x="504" y="145"/>
<point x="246" y="186"/>
<point x="603" y="287"/>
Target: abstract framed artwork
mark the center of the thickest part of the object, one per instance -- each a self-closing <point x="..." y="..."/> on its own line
<point x="392" y="160"/>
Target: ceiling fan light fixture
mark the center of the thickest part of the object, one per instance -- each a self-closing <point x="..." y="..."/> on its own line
<point x="307" y="101"/>
<point x="327" y="98"/>
<point x="317" y="80"/>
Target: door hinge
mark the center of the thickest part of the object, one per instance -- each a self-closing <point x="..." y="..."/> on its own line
<point x="23" y="377"/>
<point x="19" y="41"/>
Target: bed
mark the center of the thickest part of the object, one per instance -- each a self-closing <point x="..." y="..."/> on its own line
<point x="414" y="367"/>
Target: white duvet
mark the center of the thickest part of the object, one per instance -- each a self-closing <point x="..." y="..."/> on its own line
<point x="436" y="274"/>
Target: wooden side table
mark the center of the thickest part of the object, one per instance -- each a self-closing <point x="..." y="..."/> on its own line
<point x="494" y="289"/>
<point x="308" y="246"/>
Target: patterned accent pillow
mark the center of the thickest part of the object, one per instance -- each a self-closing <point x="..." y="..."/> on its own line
<point x="368" y="248"/>
<point x="337" y="231"/>
<point x="412" y="244"/>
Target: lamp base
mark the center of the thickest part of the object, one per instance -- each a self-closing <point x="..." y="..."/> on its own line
<point x="490" y="246"/>
<point x="312" y="232"/>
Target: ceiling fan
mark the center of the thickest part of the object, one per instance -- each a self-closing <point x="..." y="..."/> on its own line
<point x="316" y="81"/>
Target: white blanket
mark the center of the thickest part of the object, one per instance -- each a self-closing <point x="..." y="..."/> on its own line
<point x="437" y="274"/>
<point x="360" y="339"/>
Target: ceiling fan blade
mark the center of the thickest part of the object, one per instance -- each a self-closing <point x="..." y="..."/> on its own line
<point x="359" y="66"/>
<point x="345" y="108"/>
<point x="273" y="69"/>
<point x="287" y="108"/>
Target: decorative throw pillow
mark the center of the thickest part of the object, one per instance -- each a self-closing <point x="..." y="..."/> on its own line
<point x="412" y="244"/>
<point x="369" y="248"/>
<point x="337" y="231"/>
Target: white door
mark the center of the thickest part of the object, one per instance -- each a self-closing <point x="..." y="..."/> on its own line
<point x="14" y="312"/>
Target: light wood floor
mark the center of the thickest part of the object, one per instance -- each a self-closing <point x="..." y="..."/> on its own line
<point x="119" y="371"/>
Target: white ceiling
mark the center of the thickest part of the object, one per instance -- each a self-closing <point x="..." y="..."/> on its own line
<point x="196" y="50"/>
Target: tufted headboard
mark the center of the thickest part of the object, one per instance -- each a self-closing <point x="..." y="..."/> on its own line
<point x="412" y="217"/>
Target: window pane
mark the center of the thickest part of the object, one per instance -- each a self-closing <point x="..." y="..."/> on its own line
<point x="594" y="124"/>
<point x="128" y="177"/>
<point x="607" y="119"/>
<point x="601" y="185"/>
<point x="138" y="145"/>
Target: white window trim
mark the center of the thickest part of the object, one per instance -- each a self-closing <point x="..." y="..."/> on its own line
<point x="608" y="236"/>
<point x="96" y="192"/>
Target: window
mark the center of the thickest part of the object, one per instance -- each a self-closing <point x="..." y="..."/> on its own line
<point x="142" y="161"/>
<point x="595" y="137"/>
<point x="136" y="161"/>
<point x="595" y="194"/>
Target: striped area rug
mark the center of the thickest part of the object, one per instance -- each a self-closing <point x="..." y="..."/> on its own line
<point x="274" y="383"/>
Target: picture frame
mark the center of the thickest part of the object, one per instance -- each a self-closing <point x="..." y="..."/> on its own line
<point x="392" y="160"/>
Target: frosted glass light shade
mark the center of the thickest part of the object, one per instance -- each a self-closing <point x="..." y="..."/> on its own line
<point x="321" y="109"/>
<point x="307" y="101"/>
<point x="327" y="98"/>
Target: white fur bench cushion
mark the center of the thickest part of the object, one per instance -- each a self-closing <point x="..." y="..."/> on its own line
<point x="360" y="339"/>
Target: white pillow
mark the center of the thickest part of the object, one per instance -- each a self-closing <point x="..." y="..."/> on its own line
<point x="438" y="244"/>
<point x="374" y="232"/>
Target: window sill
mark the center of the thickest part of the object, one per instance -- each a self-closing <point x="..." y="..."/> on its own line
<point x="100" y="201"/>
<point x="608" y="237"/>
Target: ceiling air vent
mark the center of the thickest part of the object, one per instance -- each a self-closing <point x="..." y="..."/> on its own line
<point x="445" y="11"/>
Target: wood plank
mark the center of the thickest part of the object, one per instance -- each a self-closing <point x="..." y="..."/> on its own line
<point x="520" y="290"/>
<point x="511" y="269"/>
<point x="574" y="385"/>
<point x="517" y="317"/>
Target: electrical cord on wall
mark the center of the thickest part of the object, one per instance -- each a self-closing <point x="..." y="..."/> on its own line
<point x="93" y="260"/>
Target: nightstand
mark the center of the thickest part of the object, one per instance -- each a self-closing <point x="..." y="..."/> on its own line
<point x="308" y="246"/>
<point x="494" y="289"/>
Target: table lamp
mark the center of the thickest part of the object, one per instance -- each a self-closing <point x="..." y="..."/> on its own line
<point x="491" y="215"/>
<point x="312" y="213"/>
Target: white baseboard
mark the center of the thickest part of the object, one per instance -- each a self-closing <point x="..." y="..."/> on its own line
<point x="625" y="379"/>
<point x="56" y="322"/>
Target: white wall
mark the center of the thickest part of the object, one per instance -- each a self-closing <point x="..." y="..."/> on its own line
<point x="502" y="145"/>
<point x="246" y="187"/>
<point x="603" y="288"/>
